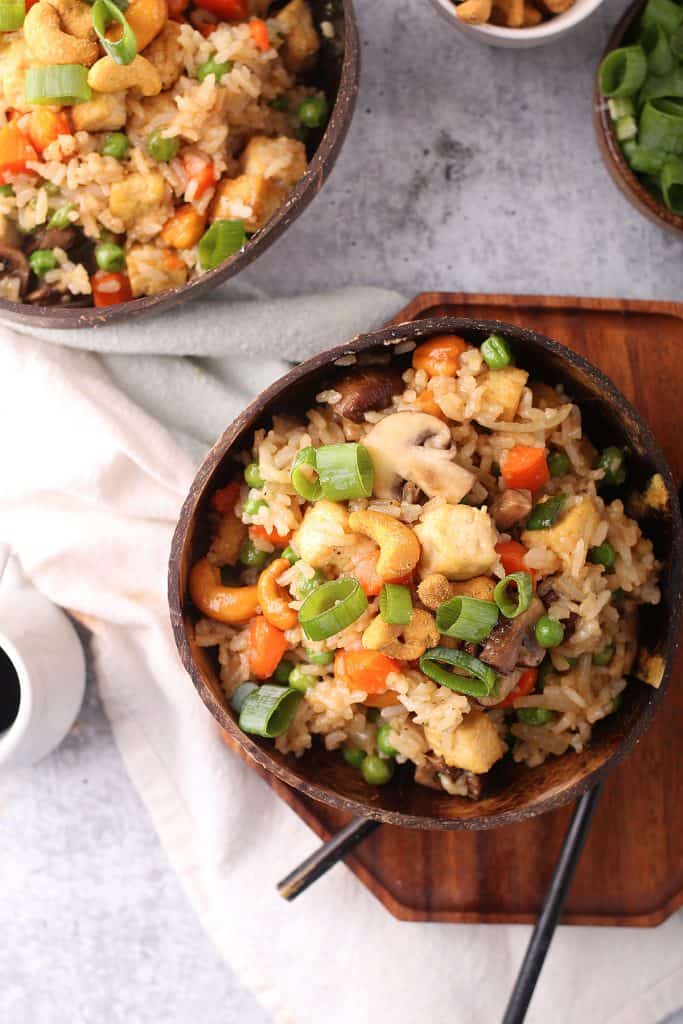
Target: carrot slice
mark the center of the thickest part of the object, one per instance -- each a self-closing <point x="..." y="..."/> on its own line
<point x="526" y="468"/>
<point x="258" y="532"/>
<point x="259" y="34"/>
<point x="15" y="151"/>
<point x="512" y="556"/>
<point x="440" y="356"/>
<point x="110" y="289"/>
<point x="364" y="670"/>
<point x="525" y="686"/>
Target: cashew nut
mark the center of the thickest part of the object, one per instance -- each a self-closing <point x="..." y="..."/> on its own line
<point x="399" y="548"/>
<point x="61" y="32"/>
<point x="418" y="635"/>
<point x="225" y="604"/>
<point x="474" y="12"/>
<point x="273" y="598"/>
<point x="146" y="18"/>
<point x="434" y="589"/>
<point x="108" y="76"/>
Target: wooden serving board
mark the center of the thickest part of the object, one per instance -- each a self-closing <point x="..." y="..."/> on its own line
<point x="631" y="871"/>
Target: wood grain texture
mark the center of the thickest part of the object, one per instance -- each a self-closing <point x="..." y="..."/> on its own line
<point x="632" y="869"/>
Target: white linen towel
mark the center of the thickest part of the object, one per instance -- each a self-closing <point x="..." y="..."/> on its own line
<point x="97" y="454"/>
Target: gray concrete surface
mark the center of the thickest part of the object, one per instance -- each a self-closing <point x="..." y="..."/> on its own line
<point x="466" y="168"/>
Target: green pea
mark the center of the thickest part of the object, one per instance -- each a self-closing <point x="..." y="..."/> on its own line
<point x="61" y="217"/>
<point x="604" y="554"/>
<point x="383" y="744"/>
<point x="376" y="771"/>
<point x="283" y="671"/>
<point x="319" y="657"/>
<point x="549" y="632"/>
<point x="252" y="506"/>
<point x="604" y="656"/>
<point x="116" y="144"/>
<point x="290" y="554"/>
<point x="6" y="190"/>
<point x="279" y="103"/>
<point x="213" y="67"/>
<point x="496" y="352"/>
<point x="304" y="586"/>
<point x="534" y="716"/>
<point x="42" y="260"/>
<point x="300" y="680"/>
<point x="312" y="113"/>
<point x="558" y="463"/>
<point x="251" y="556"/>
<point x="109" y="256"/>
<point x="353" y="756"/>
<point x="252" y="476"/>
<point x="613" y="462"/>
<point x="161" y="148"/>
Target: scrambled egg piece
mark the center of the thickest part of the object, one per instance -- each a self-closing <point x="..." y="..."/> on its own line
<point x="474" y="746"/>
<point x="457" y="541"/>
<point x="325" y="541"/>
<point x="505" y="387"/>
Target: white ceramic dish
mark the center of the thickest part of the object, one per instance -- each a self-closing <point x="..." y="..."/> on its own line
<point x="520" y="38"/>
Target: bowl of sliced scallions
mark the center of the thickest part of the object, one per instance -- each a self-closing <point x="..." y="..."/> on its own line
<point x="639" y="109"/>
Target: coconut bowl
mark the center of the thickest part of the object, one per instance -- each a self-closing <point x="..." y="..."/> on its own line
<point x="337" y="73"/>
<point x="513" y="792"/>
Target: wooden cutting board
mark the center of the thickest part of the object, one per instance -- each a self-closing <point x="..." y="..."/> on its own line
<point x="631" y="871"/>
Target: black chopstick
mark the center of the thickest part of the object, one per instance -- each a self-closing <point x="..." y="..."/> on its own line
<point x="553" y="902"/>
<point x="325" y="857"/>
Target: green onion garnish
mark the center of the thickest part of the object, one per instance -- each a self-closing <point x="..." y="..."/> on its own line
<point x="395" y="604"/>
<point x="61" y="84"/>
<point x="123" y="51"/>
<point x="61" y="217"/>
<point x="665" y="13"/>
<point x="213" y="67"/>
<point x="623" y="71"/>
<point x="621" y="106"/>
<point x="332" y="607"/>
<point x="523" y="583"/>
<point x="534" y="716"/>
<point x="319" y="657"/>
<point x="645" y="161"/>
<point x="661" y="126"/>
<point x="660" y="59"/>
<point x="676" y="44"/>
<point x="240" y="695"/>
<point x="300" y="680"/>
<point x="603" y="554"/>
<point x="478" y="681"/>
<point x="345" y="471"/>
<point x="268" y="711"/>
<point x="304" y="475"/>
<point x="224" y="238"/>
<point x="290" y="554"/>
<point x="613" y="462"/>
<point x="604" y="656"/>
<point x="672" y="184"/>
<point x="626" y="128"/>
<point x="12" y="14"/>
<point x="467" y="618"/>
<point x="546" y="512"/>
<point x="496" y="352"/>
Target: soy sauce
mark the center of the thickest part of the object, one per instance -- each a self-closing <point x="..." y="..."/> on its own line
<point x="10" y="692"/>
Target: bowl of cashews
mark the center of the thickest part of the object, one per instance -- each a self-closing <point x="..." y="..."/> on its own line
<point x="515" y="24"/>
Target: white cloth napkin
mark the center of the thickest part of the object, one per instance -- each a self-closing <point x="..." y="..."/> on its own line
<point x="92" y="481"/>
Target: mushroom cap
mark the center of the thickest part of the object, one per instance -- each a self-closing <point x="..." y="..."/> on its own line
<point x="13" y="263"/>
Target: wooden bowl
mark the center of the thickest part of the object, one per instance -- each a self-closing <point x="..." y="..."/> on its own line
<point x="338" y="73"/>
<point x="515" y="792"/>
<point x="623" y="177"/>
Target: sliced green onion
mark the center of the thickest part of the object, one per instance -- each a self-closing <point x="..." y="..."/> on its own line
<point x="626" y="128"/>
<point x="613" y="462"/>
<point x="319" y="657"/>
<point x="546" y="512"/>
<point x="290" y="554"/>
<point x="213" y="67"/>
<point x="12" y="14"/>
<point x="395" y="604"/>
<point x="623" y="71"/>
<point x="534" y="716"/>
<point x="59" y="84"/>
<point x="558" y="463"/>
<point x="345" y="471"/>
<point x="657" y="86"/>
<point x="300" y="680"/>
<point x="604" y="656"/>
<point x="478" y="681"/>
<point x="60" y="218"/>
<point x="304" y="586"/>
<point x="353" y="756"/>
<point x="283" y="671"/>
<point x="524" y="585"/>
<point x="496" y="352"/>
<point x="104" y="12"/>
<point x="224" y="238"/>
<point x="240" y="695"/>
<point x="467" y="618"/>
<point x="644" y="161"/>
<point x="665" y="13"/>
<point x="620" y="106"/>
<point x="304" y="475"/>
<point x="332" y="607"/>
<point x="660" y="59"/>
<point x="252" y="476"/>
<point x="603" y="554"/>
<point x="661" y="126"/>
<point x="671" y="181"/>
<point x="676" y="44"/>
<point x="268" y="711"/>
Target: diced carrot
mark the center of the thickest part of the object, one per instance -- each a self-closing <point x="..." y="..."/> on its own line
<point x="110" y="289"/>
<point x="258" y="532"/>
<point x="366" y="574"/>
<point x="425" y="403"/>
<point x="526" y="468"/>
<point x="267" y="644"/>
<point x="512" y="556"/>
<point x="440" y="356"/>
<point x="224" y="501"/>
<point x="525" y="686"/>
<point x="259" y="34"/>
<point x="46" y="125"/>
<point x="364" y="670"/>
<point x="184" y="228"/>
<point x="15" y="151"/>
<point x="227" y="10"/>
<point x="382" y="700"/>
<point x="199" y="171"/>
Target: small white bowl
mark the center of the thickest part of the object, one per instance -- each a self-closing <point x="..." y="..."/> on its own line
<point x="520" y="38"/>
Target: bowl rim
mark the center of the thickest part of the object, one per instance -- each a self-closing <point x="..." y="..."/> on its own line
<point x="546" y="30"/>
<point x="414" y="330"/>
<point x="317" y="171"/>
<point x="617" y="166"/>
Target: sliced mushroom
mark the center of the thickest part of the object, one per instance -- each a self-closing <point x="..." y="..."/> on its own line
<point x="48" y="295"/>
<point x="436" y="774"/>
<point x="54" y="238"/>
<point x="13" y="264"/>
<point x="511" y="640"/>
<point x="511" y="507"/>
<point x="399" y="452"/>
<point x="366" y="390"/>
